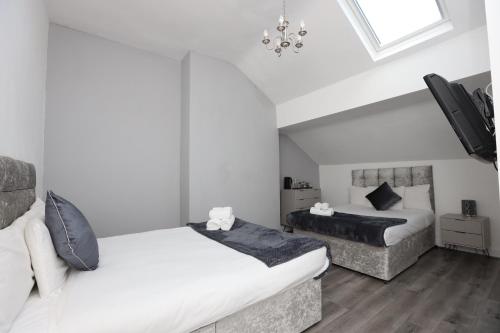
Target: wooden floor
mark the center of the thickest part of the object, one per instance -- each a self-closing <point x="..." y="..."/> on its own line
<point x="445" y="291"/>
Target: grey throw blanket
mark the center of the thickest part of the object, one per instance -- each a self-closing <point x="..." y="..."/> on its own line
<point x="270" y="246"/>
<point x="357" y="228"/>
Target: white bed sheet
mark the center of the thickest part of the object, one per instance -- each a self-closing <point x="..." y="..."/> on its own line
<point x="173" y="280"/>
<point x="417" y="219"/>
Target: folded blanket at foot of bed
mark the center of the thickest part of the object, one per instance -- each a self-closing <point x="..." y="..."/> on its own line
<point x="358" y="228"/>
<point x="270" y="246"/>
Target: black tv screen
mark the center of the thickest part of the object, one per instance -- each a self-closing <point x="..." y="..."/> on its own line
<point x="464" y="116"/>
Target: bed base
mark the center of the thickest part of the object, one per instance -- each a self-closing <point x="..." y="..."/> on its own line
<point x="291" y="311"/>
<point x="381" y="262"/>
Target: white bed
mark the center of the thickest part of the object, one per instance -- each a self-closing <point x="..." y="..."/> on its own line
<point x="416" y="220"/>
<point x="173" y="280"/>
<point x="404" y="243"/>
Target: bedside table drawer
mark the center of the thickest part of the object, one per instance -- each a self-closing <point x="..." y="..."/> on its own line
<point x="301" y="204"/>
<point x="308" y="194"/>
<point x="461" y="238"/>
<point x="462" y="226"/>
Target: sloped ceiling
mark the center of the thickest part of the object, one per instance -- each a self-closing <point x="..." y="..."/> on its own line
<point x="408" y="128"/>
<point x="231" y="30"/>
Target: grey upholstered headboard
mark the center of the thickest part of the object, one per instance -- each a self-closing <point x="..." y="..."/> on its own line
<point x="406" y="176"/>
<point x="17" y="189"/>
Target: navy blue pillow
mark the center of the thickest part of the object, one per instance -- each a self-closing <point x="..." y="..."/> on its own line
<point x="73" y="238"/>
<point x="383" y="197"/>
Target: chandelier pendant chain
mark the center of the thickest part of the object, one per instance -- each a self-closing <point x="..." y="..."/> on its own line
<point x="285" y="39"/>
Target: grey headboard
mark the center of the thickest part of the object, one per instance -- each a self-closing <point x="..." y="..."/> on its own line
<point x="17" y="189"/>
<point x="407" y="176"/>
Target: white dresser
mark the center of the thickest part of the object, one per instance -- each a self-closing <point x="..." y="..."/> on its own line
<point x="293" y="200"/>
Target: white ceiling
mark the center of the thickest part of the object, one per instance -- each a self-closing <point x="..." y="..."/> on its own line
<point x="231" y="30"/>
<point x="408" y="128"/>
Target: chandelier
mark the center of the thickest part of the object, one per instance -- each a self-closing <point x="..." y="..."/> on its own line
<point x="285" y="39"/>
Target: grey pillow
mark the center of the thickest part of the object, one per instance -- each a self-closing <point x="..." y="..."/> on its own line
<point x="73" y="238"/>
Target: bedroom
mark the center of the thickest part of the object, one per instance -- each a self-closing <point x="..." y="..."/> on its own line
<point x="146" y="115"/>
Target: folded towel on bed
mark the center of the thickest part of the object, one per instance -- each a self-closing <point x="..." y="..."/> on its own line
<point x="213" y="224"/>
<point x="224" y="224"/>
<point x="227" y="224"/>
<point x="220" y="213"/>
<point x="322" y="212"/>
<point x="322" y="205"/>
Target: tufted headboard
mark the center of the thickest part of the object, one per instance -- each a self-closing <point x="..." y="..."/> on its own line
<point x="405" y="176"/>
<point x="17" y="189"/>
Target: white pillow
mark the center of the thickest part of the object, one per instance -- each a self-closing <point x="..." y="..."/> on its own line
<point x="37" y="210"/>
<point x="50" y="270"/>
<point x="417" y="197"/>
<point x="400" y="190"/>
<point x="358" y="194"/>
<point x="16" y="275"/>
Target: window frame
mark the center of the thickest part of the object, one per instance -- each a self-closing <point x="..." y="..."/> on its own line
<point x="368" y="36"/>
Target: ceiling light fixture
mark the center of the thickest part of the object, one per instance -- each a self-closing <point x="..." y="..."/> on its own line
<point x="285" y="39"/>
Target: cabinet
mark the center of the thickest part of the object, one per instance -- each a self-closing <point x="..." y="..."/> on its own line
<point x="297" y="199"/>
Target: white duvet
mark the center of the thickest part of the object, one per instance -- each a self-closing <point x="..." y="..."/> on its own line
<point x="417" y="219"/>
<point x="173" y="280"/>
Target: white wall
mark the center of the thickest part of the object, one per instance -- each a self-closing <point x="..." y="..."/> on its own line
<point x="23" y="63"/>
<point x="233" y="144"/>
<point x="454" y="180"/>
<point x="295" y="163"/>
<point x="113" y="132"/>
<point x="460" y="57"/>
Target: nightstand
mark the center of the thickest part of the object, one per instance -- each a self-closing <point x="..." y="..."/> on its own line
<point x="470" y="232"/>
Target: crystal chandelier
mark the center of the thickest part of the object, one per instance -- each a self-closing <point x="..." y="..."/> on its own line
<point x="285" y="39"/>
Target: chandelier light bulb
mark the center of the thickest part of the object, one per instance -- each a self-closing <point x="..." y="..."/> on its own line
<point x="266" y="34"/>
<point x="281" y="20"/>
<point x="302" y="25"/>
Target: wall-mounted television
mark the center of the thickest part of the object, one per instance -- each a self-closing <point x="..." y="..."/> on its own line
<point x="470" y="115"/>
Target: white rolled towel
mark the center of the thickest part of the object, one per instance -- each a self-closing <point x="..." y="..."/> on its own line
<point x="227" y="224"/>
<point x="214" y="224"/>
<point x="317" y="205"/>
<point x="220" y="213"/>
<point x="325" y="205"/>
<point x="322" y="212"/>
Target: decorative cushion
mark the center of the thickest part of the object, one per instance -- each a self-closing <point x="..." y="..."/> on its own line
<point x="16" y="275"/>
<point x="50" y="270"/>
<point x="417" y="197"/>
<point x="73" y="238"/>
<point x="383" y="197"/>
<point x="358" y="196"/>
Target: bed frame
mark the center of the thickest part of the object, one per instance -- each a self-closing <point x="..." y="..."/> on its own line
<point x="293" y="310"/>
<point x="384" y="262"/>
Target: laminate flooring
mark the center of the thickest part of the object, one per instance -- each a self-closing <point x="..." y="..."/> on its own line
<point x="445" y="291"/>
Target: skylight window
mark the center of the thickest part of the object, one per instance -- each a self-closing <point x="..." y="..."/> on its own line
<point x="390" y="26"/>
